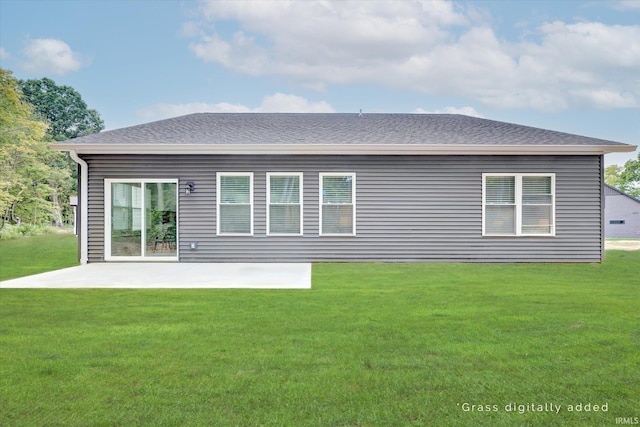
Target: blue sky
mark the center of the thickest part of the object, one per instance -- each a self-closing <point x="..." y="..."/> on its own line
<point x="572" y="66"/>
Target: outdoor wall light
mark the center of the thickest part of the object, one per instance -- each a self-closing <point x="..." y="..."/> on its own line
<point x="191" y="187"/>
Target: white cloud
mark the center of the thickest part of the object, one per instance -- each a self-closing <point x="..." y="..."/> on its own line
<point x="335" y="42"/>
<point x="241" y="53"/>
<point x="591" y="45"/>
<point x="584" y="64"/>
<point x="276" y="103"/>
<point x="466" y="111"/>
<point x="163" y="111"/>
<point x="606" y="99"/>
<point x="4" y="54"/>
<point x="434" y="47"/>
<point x="625" y="4"/>
<point x="51" y="56"/>
<point x="281" y="103"/>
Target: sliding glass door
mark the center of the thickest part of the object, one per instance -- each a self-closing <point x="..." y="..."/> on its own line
<point x="141" y="220"/>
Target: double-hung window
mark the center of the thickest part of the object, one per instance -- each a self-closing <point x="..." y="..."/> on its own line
<point x="337" y="204"/>
<point x="284" y="204"/>
<point x="235" y="203"/>
<point x="518" y="204"/>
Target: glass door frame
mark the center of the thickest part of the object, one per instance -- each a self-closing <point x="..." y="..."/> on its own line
<point x="108" y="220"/>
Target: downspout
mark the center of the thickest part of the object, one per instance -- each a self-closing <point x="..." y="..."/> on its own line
<point x="84" y="206"/>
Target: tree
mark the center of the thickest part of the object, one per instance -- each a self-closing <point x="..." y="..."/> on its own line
<point x="612" y="175"/>
<point x="24" y="177"/>
<point x="62" y="106"/>
<point x="625" y="178"/>
<point x="68" y="116"/>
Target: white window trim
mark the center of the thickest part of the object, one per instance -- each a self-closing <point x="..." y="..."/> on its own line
<point x="353" y="203"/>
<point x="107" y="220"/>
<point x="518" y="204"/>
<point x="301" y="202"/>
<point x="218" y="176"/>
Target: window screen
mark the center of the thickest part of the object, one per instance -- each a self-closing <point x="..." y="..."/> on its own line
<point x="285" y="203"/>
<point x="337" y="204"/>
<point x="537" y="203"/>
<point x="235" y="195"/>
<point x="500" y="201"/>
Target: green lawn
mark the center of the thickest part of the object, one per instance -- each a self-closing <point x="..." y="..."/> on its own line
<point x="37" y="254"/>
<point x="369" y="345"/>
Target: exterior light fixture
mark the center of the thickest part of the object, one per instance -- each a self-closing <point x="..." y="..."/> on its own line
<point x="191" y="187"/>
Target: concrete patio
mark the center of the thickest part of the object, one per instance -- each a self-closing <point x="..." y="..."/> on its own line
<point x="172" y="275"/>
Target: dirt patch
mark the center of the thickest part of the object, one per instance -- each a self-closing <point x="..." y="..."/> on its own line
<point x="623" y="245"/>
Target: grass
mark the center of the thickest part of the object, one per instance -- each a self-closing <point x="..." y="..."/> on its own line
<point x="369" y="345"/>
<point x="37" y="254"/>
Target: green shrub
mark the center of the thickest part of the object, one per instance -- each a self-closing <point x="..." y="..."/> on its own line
<point x="10" y="231"/>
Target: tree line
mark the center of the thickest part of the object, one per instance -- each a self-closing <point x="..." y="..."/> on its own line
<point x="35" y="181"/>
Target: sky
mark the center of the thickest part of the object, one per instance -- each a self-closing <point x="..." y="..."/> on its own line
<point x="571" y="66"/>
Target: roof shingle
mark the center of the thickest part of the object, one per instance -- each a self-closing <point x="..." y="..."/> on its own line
<point x="333" y="128"/>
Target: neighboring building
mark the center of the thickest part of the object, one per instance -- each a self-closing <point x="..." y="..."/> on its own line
<point x="73" y="202"/>
<point x="340" y="187"/>
<point x="622" y="214"/>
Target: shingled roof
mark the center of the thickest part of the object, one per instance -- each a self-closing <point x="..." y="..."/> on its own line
<point x="290" y="133"/>
<point x="610" y="190"/>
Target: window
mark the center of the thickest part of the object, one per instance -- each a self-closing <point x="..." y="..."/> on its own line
<point x="337" y="204"/>
<point x="616" y="221"/>
<point x="235" y="203"/>
<point x="518" y="205"/>
<point x="284" y="204"/>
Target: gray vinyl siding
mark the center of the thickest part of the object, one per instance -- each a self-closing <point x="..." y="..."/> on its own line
<point x="408" y="208"/>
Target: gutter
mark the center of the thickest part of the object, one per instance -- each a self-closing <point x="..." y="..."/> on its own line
<point x="84" y="206"/>
<point x="344" y="149"/>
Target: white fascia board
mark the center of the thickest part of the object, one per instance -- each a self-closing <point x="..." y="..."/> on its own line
<point x="343" y="149"/>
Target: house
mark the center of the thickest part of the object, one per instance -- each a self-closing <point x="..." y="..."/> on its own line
<point x="622" y="214"/>
<point x="340" y="187"/>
